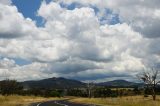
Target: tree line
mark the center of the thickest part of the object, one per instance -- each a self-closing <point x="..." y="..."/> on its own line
<point x="10" y="87"/>
<point x="150" y="87"/>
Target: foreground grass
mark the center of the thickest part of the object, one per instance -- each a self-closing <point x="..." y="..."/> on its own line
<point x="123" y="101"/>
<point x="15" y="100"/>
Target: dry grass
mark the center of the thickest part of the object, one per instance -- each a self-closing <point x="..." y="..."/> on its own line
<point x="15" y="100"/>
<point x="123" y="101"/>
<point x="122" y="88"/>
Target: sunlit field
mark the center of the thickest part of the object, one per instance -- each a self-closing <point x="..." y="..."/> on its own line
<point x="21" y="100"/>
<point x="120" y="101"/>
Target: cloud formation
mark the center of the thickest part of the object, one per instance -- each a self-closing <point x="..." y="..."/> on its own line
<point x="75" y="43"/>
<point x="142" y="15"/>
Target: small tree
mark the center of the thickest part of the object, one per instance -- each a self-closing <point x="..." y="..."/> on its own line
<point x="150" y="78"/>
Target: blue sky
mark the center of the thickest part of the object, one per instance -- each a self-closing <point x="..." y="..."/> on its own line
<point x="29" y="9"/>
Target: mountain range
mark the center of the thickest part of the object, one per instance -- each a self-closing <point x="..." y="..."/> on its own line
<point x="56" y="83"/>
<point x="119" y="83"/>
<point x="63" y="83"/>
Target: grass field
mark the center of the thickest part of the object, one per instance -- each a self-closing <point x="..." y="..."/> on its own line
<point x="123" y="101"/>
<point x="21" y="100"/>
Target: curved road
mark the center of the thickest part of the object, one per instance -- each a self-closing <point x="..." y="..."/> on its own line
<point x="58" y="103"/>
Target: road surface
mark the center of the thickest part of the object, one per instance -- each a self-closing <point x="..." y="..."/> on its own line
<point x="58" y="103"/>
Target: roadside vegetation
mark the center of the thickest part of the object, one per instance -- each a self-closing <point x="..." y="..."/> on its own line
<point x="120" y="101"/>
<point x="16" y="100"/>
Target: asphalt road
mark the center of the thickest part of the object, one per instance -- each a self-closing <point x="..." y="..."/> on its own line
<point x="58" y="103"/>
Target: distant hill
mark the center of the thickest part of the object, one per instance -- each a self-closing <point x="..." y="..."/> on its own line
<point x="50" y="83"/>
<point x="63" y="83"/>
<point x="119" y="83"/>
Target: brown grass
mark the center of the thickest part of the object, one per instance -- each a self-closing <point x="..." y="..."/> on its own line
<point x="123" y="101"/>
<point x="16" y="100"/>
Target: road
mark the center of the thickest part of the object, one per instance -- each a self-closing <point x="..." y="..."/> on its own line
<point x="58" y="103"/>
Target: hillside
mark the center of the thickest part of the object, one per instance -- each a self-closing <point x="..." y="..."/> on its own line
<point x="63" y="83"/>
<point x="119" y="83"/>
<point x="59" y="83"/>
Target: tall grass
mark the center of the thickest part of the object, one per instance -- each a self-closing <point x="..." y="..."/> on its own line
<point x="123" y="101"/>
<point x="16" y="100"/>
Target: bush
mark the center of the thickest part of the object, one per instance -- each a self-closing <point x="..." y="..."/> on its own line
<point x="55" y="94"/>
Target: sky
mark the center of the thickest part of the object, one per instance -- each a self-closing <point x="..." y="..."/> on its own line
<point x="86" y="40"/>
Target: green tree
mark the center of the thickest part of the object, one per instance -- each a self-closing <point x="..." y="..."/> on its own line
<point x="8" y="87"/>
